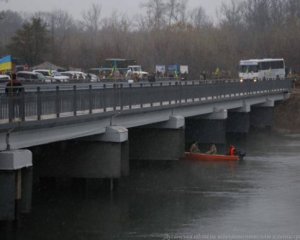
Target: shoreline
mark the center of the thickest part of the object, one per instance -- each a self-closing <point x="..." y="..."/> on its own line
<point x="287" y="114"/>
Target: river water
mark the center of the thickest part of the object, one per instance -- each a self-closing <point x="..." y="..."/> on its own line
<point x="258" y="198"/>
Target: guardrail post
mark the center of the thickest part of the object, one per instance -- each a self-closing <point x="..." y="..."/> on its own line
<point x="90" y="99"/>
<point x="22" y="106"/>
<point x="74" y="100"/>
<point x="130" y="101"/>
<point x="170" y="101"/>
<point x="11" y="109"/>
<point x="161" y="103"/>
<point x="151" y="104"/>
<point x="121" y="96"/>
<point x="182" y="99"/>
<point x="141" y="105"/>
<point x="115" y="101"/>
<point x="57" y="102"/>
<point x="38" y="103"/>
<point x="103" y="98"/>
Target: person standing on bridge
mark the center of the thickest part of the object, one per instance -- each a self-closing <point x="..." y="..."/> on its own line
<point x="14" y="90"/>
<point x="14" y="86"/>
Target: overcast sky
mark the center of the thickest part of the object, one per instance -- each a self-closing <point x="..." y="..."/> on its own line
<point x="76" y="7"/>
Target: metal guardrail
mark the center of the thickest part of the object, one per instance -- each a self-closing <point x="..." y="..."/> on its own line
<point x="39" y="102"/>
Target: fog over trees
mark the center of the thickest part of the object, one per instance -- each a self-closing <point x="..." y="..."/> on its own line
<point x="168" y="33"/>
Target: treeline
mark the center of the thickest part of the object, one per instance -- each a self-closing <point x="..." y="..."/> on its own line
<point x="167" y="33"/>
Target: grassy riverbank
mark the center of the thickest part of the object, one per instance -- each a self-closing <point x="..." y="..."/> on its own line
<point x="287" y="114"/>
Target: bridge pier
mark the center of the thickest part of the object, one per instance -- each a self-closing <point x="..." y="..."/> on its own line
<point x="238" y="126"/>
<point x="238" y="123"/>
<point x="262" y="116"/>
<point x="103" y="156"/>
<point x="162" y="141"/>
<point x="15" y="183"/>
<point x="208" y="129"/>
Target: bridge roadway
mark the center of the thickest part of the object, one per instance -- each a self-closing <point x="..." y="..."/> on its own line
<point x="51" y="113"/>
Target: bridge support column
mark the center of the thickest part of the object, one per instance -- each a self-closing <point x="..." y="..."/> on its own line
<point x="102" y="156"/>
<point x="262" y="116"/>
<point x="207" y="130"/>
<point x="15" y="183"/>
<point x="238" y="121"/>
<point x="238" y="126"/>
<point x="163" y="141"/>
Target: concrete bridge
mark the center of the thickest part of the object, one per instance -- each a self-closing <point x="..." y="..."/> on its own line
<point x="91" y="131"/>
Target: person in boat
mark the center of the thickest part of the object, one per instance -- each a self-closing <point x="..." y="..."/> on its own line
<point x="212" y="150"/>
<point x="232" y="150"/>
<point x="194" y="148"/>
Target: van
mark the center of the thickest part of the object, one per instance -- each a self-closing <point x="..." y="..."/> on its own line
<point x="26" y="76"/>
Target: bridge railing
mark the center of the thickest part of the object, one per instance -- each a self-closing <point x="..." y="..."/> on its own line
<point x="71" y="101"/>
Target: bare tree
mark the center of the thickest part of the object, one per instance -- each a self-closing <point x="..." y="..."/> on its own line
<point x="92" y="18"/>
<point x="175" y="11"/>
<point x="9" y="24"/>
<point x="199" y="18"/>
<point x="155" y="11"/>
<point x="232" y="14"/>
<point x="169" y="33"/>
<point x="31" y="42"/>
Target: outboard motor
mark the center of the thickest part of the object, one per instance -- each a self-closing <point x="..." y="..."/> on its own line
<point x="240" y="153"/>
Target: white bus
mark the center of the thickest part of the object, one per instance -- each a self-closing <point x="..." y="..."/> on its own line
<point x="258" y="69"/>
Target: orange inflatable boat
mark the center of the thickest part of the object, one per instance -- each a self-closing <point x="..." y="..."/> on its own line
<point x="210" y="157"/>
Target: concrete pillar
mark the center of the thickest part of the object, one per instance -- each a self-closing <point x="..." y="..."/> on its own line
<point x="101" y="156"/>
<point x="15" y="183"/>
<point x="163" y="141"/>
<point x="207" y="129"/>
<point x="262" y="117"/>
<point x="238" y="122"/>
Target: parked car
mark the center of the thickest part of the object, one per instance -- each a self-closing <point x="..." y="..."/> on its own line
<point x="27" y="76"/>
<point x="4" y="78"/>
<point x="52" y="75"/>
<point x="93" y="77"/>
<point x="75" y="75"/>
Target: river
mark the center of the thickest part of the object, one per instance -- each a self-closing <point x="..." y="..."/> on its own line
<point x="258" y="198"/>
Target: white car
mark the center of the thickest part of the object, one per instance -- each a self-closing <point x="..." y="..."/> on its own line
<point x="28" y="76"/>
<point x="52" y="75"/>
<point x="93" y="77"/>
<point x="4" y="78"/>
<point x="75" y="75"/>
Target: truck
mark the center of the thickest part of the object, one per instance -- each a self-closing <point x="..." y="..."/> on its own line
<point x="135" y="72"/>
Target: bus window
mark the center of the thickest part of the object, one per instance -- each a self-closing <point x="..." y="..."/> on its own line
<point x="248" y="68"/>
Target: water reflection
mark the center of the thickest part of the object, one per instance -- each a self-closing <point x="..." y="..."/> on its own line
<point x="258" y="196"/>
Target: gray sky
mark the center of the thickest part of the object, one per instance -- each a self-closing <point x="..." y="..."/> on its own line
<point x="76" y="7"/>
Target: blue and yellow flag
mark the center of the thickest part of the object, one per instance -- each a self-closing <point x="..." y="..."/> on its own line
<point x="6" y="64"/>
